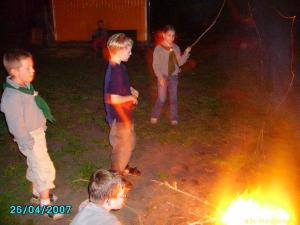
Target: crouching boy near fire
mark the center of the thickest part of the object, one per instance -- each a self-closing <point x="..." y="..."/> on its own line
<point x="119" y="99"/>
<point x="26" y="114"/>
<point x="107" y="191"/>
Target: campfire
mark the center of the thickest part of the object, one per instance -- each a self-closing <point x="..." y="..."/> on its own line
<point x="257" y="209"/>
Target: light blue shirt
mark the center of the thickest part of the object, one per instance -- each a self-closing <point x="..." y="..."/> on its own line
<point x="94" y="214"/>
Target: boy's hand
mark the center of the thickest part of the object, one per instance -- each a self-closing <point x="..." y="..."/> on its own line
<point x="26" y="143"/>
<point x="134" y="92"/>
<point x="187" y="50"/>
<point x="162" y="82"/>
<point x="134" y="100"/>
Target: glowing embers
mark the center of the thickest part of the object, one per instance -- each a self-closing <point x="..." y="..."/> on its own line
<point x="248" y="211"/>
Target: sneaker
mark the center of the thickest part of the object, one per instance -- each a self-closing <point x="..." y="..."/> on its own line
<point x="53" y="216"/>
<point x="174" y="122"/>
<point x="35" y="200"/>
<point x="153" y="120"/>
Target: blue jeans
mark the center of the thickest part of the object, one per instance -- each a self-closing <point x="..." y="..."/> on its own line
<point x="171" y="83"/>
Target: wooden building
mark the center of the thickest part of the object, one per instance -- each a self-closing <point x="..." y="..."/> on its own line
<point x="76" y="20"/>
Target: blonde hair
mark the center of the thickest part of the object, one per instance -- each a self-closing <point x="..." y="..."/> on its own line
<point x="118" y="42"/>
<point x="12" y="58"/>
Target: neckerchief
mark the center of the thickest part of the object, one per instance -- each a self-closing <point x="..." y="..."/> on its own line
<point x="172" y="59"/>
<point x="41" y="103"/>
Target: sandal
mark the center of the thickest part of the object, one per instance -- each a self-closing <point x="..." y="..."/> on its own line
<point x="133" y="171"/>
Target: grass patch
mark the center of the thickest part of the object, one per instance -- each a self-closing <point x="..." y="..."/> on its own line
<point x="13" y="175"/>
<point x="7" y="200"/>
<point x="72" y="83"/>
<point x="65" y="143"/>
<point x="162" y="175"/>
<point x="82" y="174"/>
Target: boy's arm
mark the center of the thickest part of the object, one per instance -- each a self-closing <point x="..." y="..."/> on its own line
<point x="134" y="92"/>
<point x="119" y="99"/>
<point x="157" y="63"/>
<point x="182" y="58"/>
<point x="114" y="94"/>
<point x="15" y="121"/>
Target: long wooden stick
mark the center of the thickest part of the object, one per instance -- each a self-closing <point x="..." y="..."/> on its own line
<point x="80" y="179"/>
<point x="210" y="26"/>
<point x="174" y="188"/>
<point x="202" y="222"/>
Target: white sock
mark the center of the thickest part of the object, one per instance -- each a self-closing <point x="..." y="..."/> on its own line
<point x="45" y="201"/>
<point x="35" y="192"/>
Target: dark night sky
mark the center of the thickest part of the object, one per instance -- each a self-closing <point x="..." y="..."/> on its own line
<point x="193" y="16"/>
<point x="190" y="18"/>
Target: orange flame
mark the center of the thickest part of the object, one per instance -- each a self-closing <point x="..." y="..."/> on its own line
<point x="247" y="211"/>
<point x="257" y="209"/>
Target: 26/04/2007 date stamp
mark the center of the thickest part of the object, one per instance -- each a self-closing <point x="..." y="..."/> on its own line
<point x="37" y="209"/>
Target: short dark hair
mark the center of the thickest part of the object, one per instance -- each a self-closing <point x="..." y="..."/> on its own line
<point x="104" y="185"/>
<point x="12" y="58"/>
<point x="167" y="28"/>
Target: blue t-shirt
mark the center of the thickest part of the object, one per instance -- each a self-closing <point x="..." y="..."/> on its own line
<point x="117" y="83"/>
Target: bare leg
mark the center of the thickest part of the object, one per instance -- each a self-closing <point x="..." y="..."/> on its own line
<point x="44" y="195"/>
